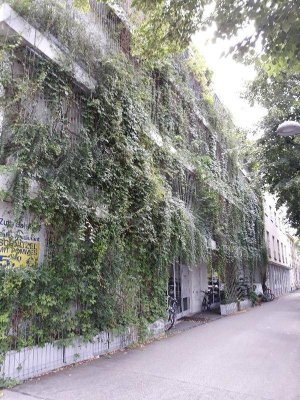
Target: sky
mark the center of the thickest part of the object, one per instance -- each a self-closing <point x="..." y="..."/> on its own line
<point x="229" y="80"/>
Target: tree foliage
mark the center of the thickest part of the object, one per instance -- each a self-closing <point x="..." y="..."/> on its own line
<point x="279" y="157"/>
<point x="167" y="27"/>
<point x="277" y="30"/>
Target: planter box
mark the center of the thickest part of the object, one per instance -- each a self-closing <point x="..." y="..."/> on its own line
<point x="244" y="304"/>
<point x="227" y="309"/>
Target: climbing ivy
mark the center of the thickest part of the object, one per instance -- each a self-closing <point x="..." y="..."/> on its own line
<point x="118" y="207"/>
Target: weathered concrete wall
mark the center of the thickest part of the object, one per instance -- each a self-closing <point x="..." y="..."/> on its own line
<point x="11" y="24"/>
<point x="34" y="361"/>
<point x="278" y="279"/>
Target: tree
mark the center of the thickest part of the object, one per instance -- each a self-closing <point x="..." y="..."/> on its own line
<point x="277" y="30"/>
<point x="280" y="170"/>
<point x="279" y="157"/>
<point x="168" y="26"/>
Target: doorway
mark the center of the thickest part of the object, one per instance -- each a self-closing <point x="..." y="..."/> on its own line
<point x="179" y="286"/>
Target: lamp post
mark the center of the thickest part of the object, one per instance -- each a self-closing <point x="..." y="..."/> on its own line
<point x="288" y="128"/>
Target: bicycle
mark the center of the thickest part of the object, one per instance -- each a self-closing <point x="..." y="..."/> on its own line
<point x="268" y="295"/>
<point x="206" y="303"/>
<point x="172" y="313"/>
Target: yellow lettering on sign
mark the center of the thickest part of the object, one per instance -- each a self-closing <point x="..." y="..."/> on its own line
<point x="18" y="253"/>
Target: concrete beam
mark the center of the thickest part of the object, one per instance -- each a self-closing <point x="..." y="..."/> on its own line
<point x="12" y="24"/>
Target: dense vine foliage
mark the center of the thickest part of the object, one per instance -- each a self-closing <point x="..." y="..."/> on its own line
<point x="118" y="206"/>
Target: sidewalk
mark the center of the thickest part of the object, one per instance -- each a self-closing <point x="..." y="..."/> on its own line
<point x="252" y="355"/>
<point x="194" y="320"/>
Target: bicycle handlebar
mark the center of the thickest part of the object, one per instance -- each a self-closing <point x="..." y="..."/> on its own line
<point x="171" y="298"/>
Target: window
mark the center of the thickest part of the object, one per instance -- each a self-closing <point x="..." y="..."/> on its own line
<point x="286" y="260"/>
<point x="278" y="247"/>
<point x="271" y="216"/>
<point x="274" y="248"/>
<point x="282" y="253"/>
<point x="269" y="245"/>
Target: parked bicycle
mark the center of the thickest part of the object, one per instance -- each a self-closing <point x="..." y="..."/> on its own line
<point x="172" y="313"/>
<point x="206" y="302"/>
<point x="268" y="295"/>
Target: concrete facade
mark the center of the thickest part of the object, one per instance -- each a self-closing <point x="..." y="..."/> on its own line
<point x="283" y="256"/>
<point x="33" y="361"/>
<point x="13" y="24"/>
<point x="190" y="286"/>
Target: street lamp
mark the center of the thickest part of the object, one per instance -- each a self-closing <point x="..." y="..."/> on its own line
<point x="288" y="128"/>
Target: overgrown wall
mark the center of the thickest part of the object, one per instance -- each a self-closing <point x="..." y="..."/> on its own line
<point x="128" y="178"/>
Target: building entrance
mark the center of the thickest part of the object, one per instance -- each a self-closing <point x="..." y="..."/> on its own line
<point x="179" y="286"/>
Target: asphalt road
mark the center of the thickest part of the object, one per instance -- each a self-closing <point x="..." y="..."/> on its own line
<point x="252" y="355"/>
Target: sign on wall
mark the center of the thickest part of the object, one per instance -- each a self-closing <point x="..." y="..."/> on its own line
<point x="20" y="246"/>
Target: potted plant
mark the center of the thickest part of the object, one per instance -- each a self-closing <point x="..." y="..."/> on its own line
<point x="259" y="299"/>
<point x="253" y="297"/>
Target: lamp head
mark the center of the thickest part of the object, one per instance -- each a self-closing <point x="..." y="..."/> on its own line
<point x="288" y="128"/>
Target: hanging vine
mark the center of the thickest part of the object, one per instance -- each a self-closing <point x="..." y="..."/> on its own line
<point x="117" y="207"/>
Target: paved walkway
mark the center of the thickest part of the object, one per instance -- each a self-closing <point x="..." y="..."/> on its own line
<point x="254" y="355"/>
<point x="193" y="321"/>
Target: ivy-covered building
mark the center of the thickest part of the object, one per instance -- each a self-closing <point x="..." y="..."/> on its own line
<point x="120" y="181"/>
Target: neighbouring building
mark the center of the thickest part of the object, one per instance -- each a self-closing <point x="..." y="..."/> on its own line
<point x="283" y="256"/>
<point x="127" y="183"/>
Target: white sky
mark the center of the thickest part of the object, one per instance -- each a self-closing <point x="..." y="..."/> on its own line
<point x="229" y="79"/>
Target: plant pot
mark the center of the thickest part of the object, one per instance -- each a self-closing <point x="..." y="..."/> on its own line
<point x="227" y="309"/>
<point x="244" y="304"/>
<point x="259" y="300"/>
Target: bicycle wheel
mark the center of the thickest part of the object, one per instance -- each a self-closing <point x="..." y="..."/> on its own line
<point x="171" y="322"/>
<point x="204" y="304"/>
<point x="270" y="296"/>
<point x="266" y="297"/>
